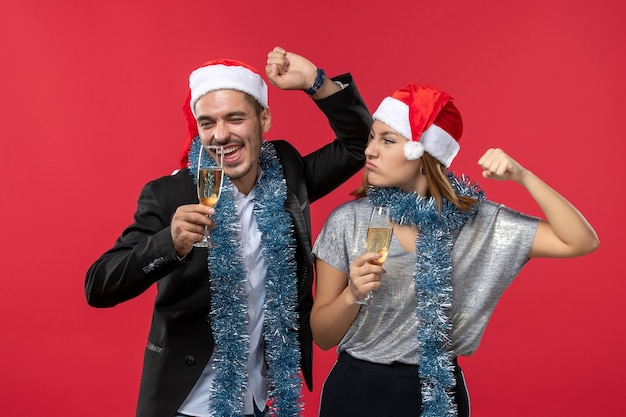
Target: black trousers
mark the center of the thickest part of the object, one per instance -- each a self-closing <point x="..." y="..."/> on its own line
<point x="356" y="388"/>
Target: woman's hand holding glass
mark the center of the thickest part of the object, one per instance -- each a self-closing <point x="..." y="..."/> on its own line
<point x="367" y="268"/>
<point x="365" y="277"/>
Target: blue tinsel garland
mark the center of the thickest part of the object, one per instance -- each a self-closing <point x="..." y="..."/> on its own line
<point x="228" y="297"/>
<point x="433" y="282"/>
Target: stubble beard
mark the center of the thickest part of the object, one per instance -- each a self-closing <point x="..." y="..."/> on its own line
<point x="255" y="152"/>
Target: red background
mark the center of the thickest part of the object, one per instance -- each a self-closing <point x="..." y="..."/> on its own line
<point x="90" y="105"/>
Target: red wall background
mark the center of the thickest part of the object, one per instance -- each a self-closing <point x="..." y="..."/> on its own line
<point x="90" y="98"/>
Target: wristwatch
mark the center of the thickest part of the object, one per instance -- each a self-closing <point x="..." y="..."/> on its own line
<point x="317" y="84"/>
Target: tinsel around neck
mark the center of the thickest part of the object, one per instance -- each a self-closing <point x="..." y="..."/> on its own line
<point x="228" y="297"/>
<point x="414" y="209"/>
<point x="432" y="278"/>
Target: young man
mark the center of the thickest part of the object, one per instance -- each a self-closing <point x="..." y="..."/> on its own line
<point x="230" y="327"/>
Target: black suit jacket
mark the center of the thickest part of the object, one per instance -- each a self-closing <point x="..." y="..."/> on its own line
<point x="180" y="341"/>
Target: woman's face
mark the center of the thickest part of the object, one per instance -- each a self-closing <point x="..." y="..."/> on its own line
<point x="385" y="161"/>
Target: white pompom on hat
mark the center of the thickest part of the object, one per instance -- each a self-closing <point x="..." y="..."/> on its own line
<point x="226" y="74"/>
<point x="425" y="116"/>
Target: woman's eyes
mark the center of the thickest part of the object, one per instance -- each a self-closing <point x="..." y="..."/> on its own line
<point x="383" y="139"/>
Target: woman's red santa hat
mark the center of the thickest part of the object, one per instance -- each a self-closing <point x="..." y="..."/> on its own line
<point x="425" y="116"/>
<point x="220" y="74"/>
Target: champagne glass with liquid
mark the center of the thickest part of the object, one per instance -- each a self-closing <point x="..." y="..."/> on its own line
<point x="379" y="233"/>
<point x="210" y="179"/>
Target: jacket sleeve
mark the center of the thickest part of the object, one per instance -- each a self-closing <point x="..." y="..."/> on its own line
<point x="142" y="255"/>
<point x="336" y="162"/>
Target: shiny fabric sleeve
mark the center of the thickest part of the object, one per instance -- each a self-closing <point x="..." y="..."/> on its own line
<point x="488" y="254"/>
<point x="343" y="235"/>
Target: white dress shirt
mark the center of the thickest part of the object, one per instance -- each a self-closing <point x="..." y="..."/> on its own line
<point x="198" y="402"/>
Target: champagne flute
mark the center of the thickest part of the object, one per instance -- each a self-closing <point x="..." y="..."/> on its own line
<point x="210" y="179"/>
<point x="379" y="233"/>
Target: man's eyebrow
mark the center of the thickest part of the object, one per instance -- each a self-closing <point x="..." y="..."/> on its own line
<point x="235" y="113"/>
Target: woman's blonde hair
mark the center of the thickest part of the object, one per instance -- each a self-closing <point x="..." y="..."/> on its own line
<point x="438" y="185"/>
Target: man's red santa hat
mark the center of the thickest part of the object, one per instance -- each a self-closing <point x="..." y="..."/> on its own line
<point x="425" y="116"/>
<point x="220" y="74"/>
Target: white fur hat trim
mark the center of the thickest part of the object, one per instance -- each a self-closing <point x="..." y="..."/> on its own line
<point x="394" y="114"/>
<point x="226" y="77"/>
<point x="440" y="144"/>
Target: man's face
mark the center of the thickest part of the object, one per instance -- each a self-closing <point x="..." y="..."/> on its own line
<point x="229" y="118"/>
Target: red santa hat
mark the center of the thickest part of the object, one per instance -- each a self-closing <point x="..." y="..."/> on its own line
<point x="226" y="74"/>
<point x="220" y="74"/>
<point x="425" y="116"/>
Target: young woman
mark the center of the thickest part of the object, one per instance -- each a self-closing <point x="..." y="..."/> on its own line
<point x="452" y="255"/>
